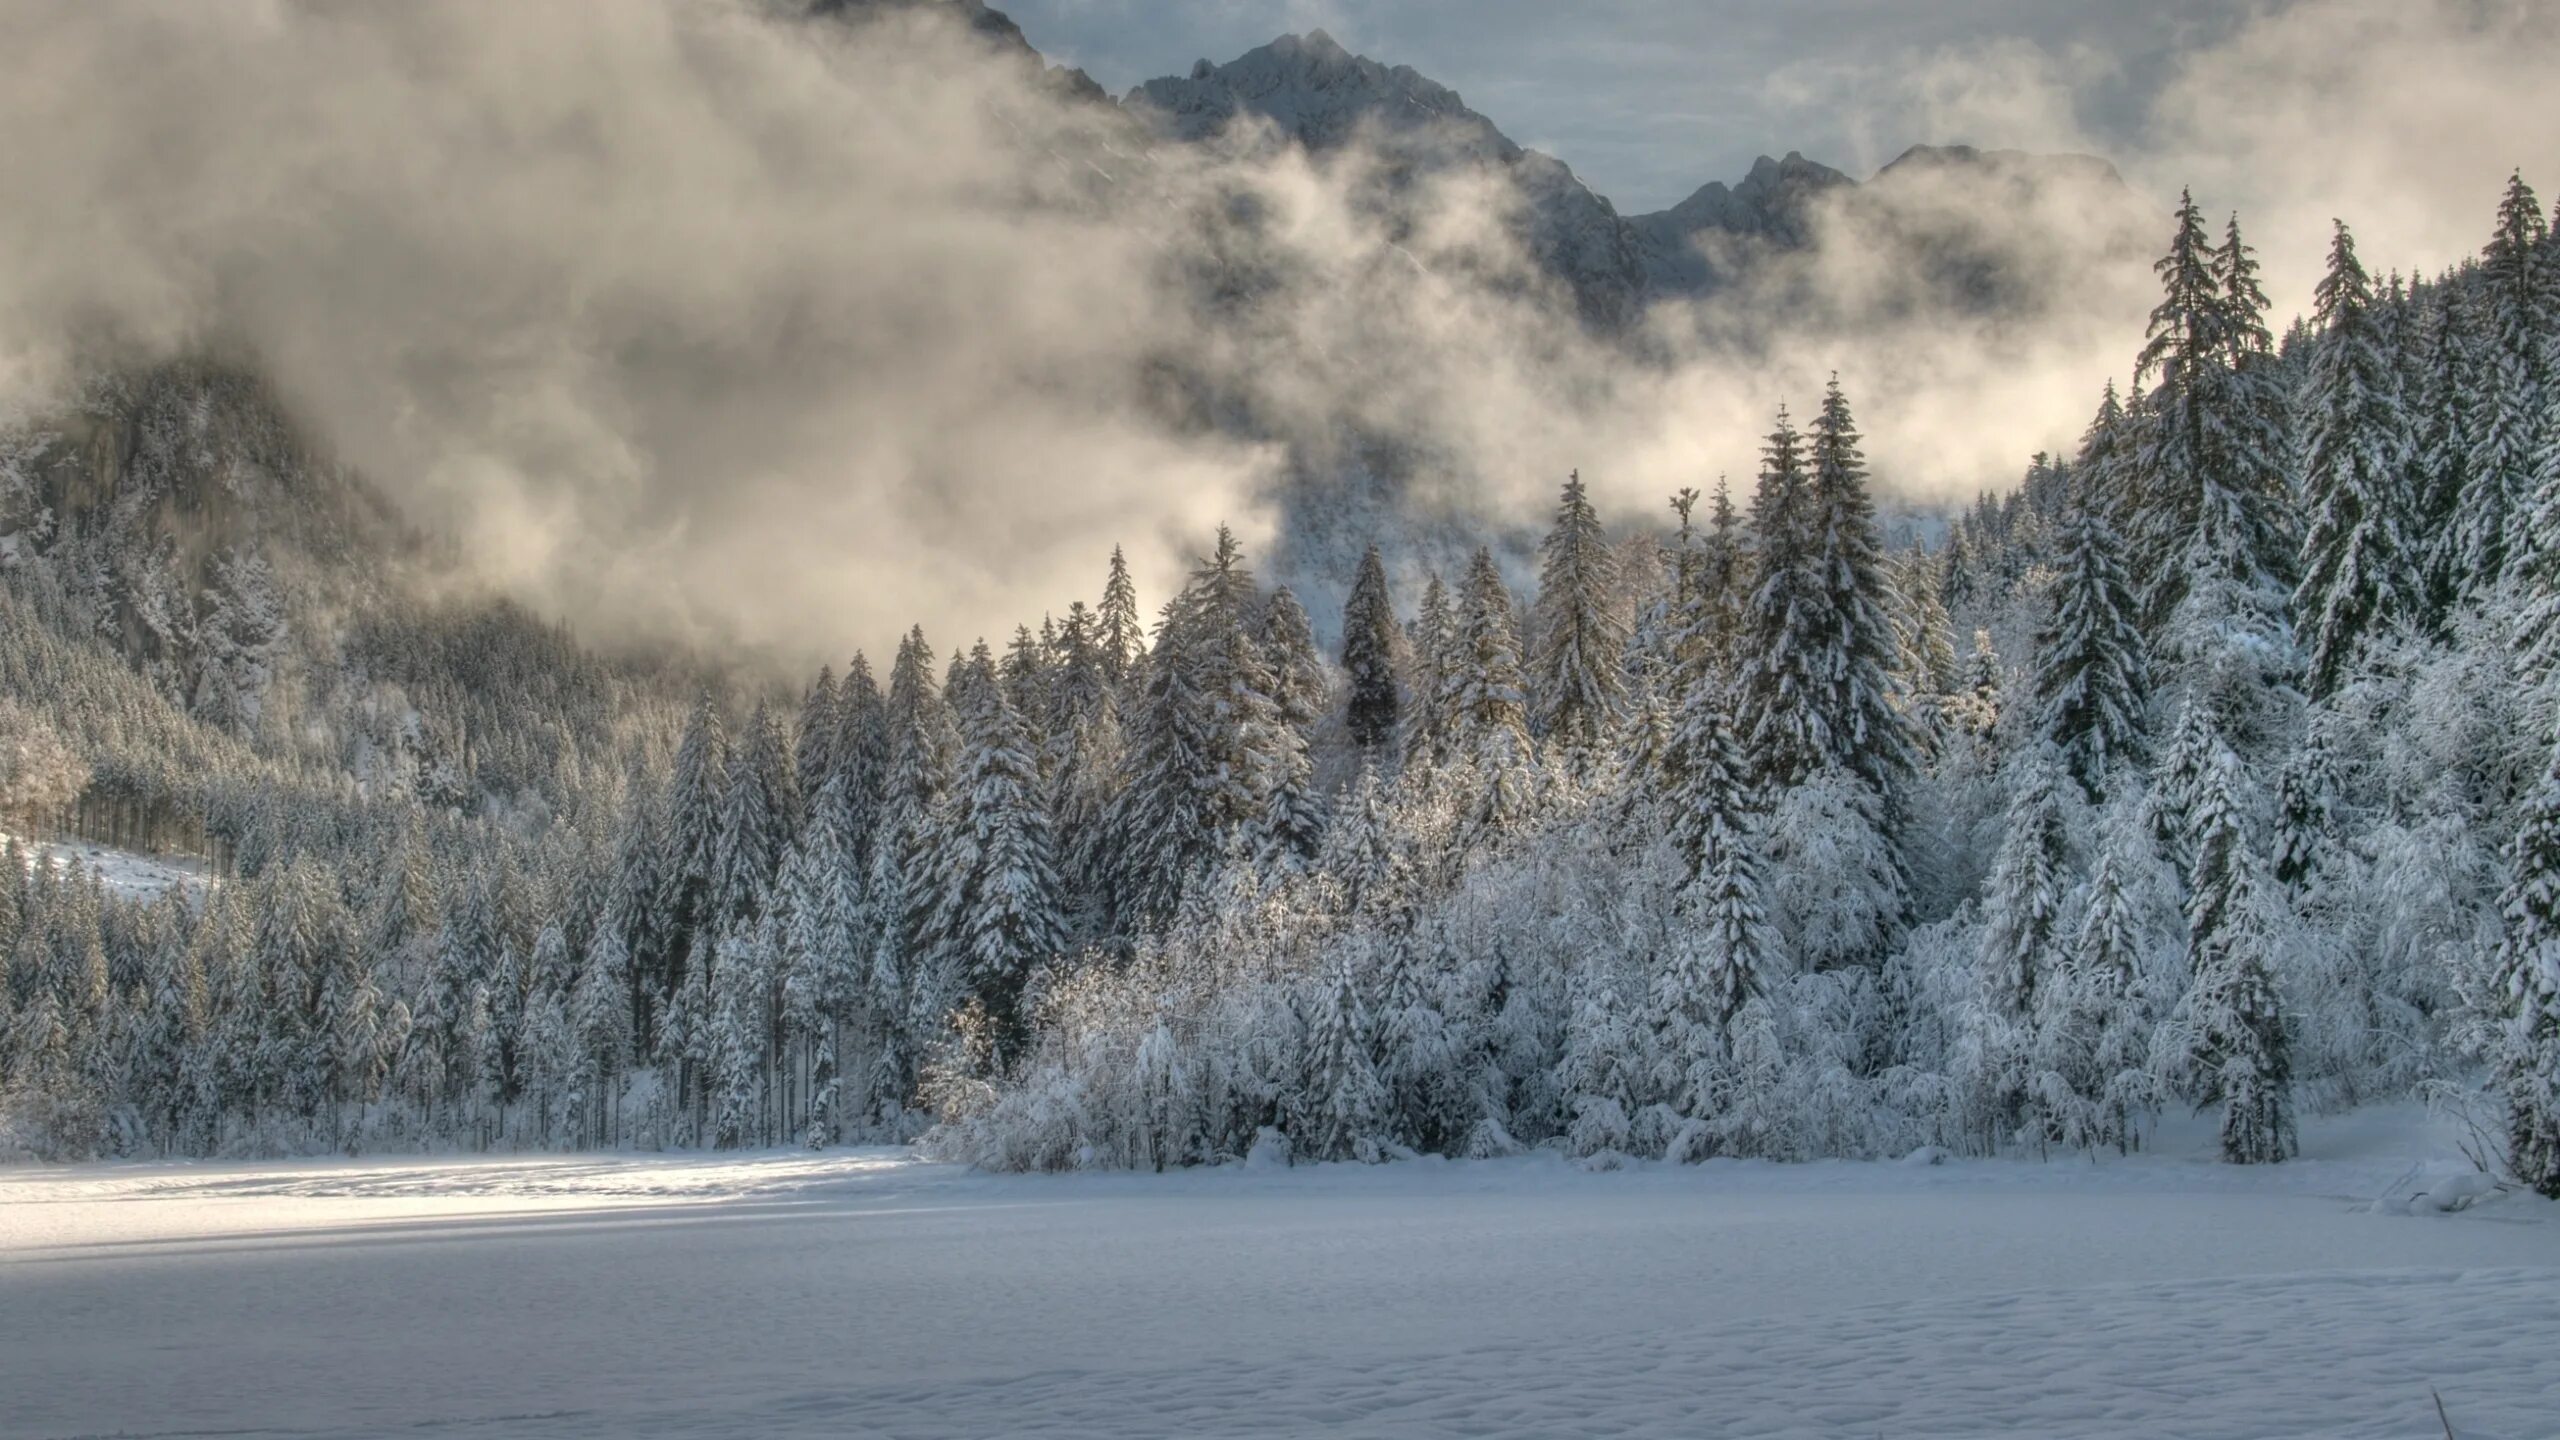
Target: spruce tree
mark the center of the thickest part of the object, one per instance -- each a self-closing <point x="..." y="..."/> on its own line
<point x="1013" y="923"/>
<point x="2512" y="381"/>
<point x="1434" y="643"/>
<point x="1375" y="704"/>
<point x="2524" y="998"/>
<point x="1579" y="639"/>
<point x="1293" y="822"/>
<point x="2091" y="678"/>
<point x="2240" y="1053"/>
<point x="1204" y="753"/>
<point x="1344" y="1098"/>
<point x="814" y="738"/>
<point x="1488" y="716"/>
<point x="1862" y="731"/>
<point x="2023" y="910"/>
<point x="2357" y="570"/>
<point x="690" y="838"/>
<point x="1784" y="686"/>
<point x="1119" y="635"/>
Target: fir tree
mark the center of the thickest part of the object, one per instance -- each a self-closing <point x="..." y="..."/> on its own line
<point x="2357" y="575"/>
<point x="2240" y="1052"/>
<point x="1292" y="824"/>
<point x="2524" y="999"/>
<point x="2506" y="426"/>
<point x="1342" y="1086"/>
<point x="1119" y="636"/>
<point x="2091" y="676"/>
<point x="1488" y="718"/>
<point x="1369" y="657"/>
<point x="1862" y="731"/>
<point x="1579" y="638"/>
<point x="1784" y="687"/>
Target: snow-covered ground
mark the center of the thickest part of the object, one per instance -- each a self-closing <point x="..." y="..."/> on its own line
<point x="128" y="874"/>
<point x="867" y="1294"/>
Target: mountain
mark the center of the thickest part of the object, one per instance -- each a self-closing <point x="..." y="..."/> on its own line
<point x="1772" y="206"/>
<point x="1312" y="92"/>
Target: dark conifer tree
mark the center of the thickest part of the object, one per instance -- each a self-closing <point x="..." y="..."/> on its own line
<point x="1375" y="704"/>
<point x="1579" y="639"/>
<point x="2357" y="575"/>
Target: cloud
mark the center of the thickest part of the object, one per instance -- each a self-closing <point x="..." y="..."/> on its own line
<point x="692" y="322"/>
<point x="687" y="320"/>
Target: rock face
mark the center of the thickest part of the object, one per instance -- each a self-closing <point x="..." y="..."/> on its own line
<point x="1704" y="240"/>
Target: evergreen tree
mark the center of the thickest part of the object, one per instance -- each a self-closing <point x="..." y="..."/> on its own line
<point x="2512" y="379"/>
<point x="1293" y="822"/>
<point x="2240" y="1053"/>
<point x="1861" y="730"/>
<point x="1578" y="635"/>
<point x="1119" y="636"/>
<point x="2357" y="574"/>
<point x="2023" y="911"/>
<point x="2524" y="999"/>
<point x="2091" y="677"/>
<point x="1369" y="657"/>
<point x="1784" y="685"/>
<point x="1488" y="717"/>
<point x="755" y="822"/>
<point x="1344" y="1098"/>
<point x="1204" y="753"/>
<point x="814" y="739"/>
<point x="688" y="863"/>
<point x="1012" y="923"/>
<point x="1428" y="719"/>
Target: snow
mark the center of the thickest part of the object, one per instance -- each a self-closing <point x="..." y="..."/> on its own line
<point x="127" y="874"/>
<point x="864" y="1293"/>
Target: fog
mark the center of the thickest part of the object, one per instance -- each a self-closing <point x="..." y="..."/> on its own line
<point x="692" y="321"/>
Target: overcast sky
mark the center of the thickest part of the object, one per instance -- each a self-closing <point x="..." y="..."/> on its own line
<point x="1648" y="99"/>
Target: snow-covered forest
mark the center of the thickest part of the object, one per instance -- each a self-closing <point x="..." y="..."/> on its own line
<point x="2210" y="767"/>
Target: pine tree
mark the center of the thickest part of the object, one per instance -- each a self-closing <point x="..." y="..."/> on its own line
<point x="1488" y="716"/>
<point x="1012" y="923"/>
<point x="2023" y="911"/>
<point x="2210" y="470"/>
<point x="688" y="862"/>
<point x="1293" y="821"/>
<point x="2091" y="677"/>
<point x="2512" y="381"/>
<point x="2524" y="1000"/>
<point x="2357" y="575"/>
<point x="1579" y="638"/>
<point x="1369" y="657"/>
<point x="1435" y="646"/>
<point x="2240" y="1052"/>
<point x="2442" y="459"/>
<point x="755" y="823"/>
<point x="1862" y="731"/>
<point x="1205" y="757"/>
<point x="1784" y="686"/>
<point x="1344" y="1099"/>
<point x="1119" y="636"/>
<point x="2306" y="796"/>
<point x="814" y="739"/>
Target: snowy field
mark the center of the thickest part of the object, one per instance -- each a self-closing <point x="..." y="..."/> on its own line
<point x="127" y="874"/>
<point x="866" y="1294"/>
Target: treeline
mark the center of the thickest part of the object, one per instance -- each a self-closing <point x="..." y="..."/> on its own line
<point x="2212" y="766"/>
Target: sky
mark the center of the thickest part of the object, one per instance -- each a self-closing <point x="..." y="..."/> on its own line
<point x="1649" y="99"/>
<point x="685" y="322"/>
